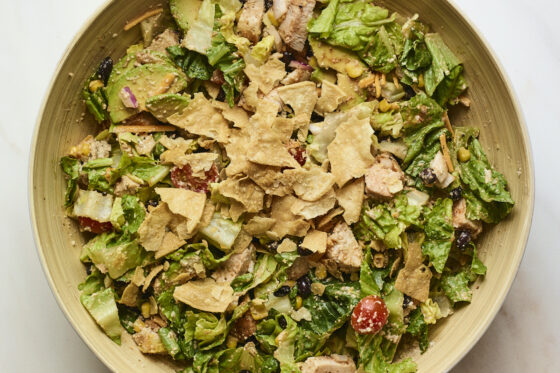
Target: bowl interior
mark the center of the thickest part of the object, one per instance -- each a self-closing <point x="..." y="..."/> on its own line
<point x="61" y="124"/>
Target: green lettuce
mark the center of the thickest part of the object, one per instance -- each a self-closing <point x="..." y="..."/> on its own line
<point x="221" y="232"/>
<point x="199" y="35"/>
<point x="133" y="212"/>
<point x="387" y="124"/>
<point x="439" y="233"/>
<point x="376" y="354"/>
<point x="477" y="267"/>
<point x="71" y="167"/>
<point x="418" y="328"/>
<point x="264" y="268"/>
<point x="456" y="287"/>
<point x="286" y="347"/>
<point x="194" y="64"/>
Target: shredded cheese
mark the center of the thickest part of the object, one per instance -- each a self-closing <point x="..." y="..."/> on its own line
<point x="445" y="149"/>
<point x="383" y="80"/>
<point x="377" y="86"/>
<point x="396" y="82"/>
<point x="448" y="124"/>
<point x="139" y="19"/>
<point x="143" y="129"/>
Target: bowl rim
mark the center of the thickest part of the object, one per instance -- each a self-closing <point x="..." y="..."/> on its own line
<point x="483" y="325"/>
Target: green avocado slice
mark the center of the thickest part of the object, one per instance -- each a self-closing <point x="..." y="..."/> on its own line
<point x="130" y="61"/>
<point x="164" y="105"/>
<point x="184" y="12"/>
<point x="144" y="82"/>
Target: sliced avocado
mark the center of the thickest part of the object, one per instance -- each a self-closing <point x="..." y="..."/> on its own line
<point x="165" y="105"/>
<point x="352" y="90"/>
<point x="144" y="81"/>
<point x="184" y="12"/>
<point x="337" y="59"/>
<point x="130" y="61"/>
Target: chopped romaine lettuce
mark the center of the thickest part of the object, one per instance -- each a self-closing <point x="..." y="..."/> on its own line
<point x="221" y="232"/>
<point x="115" y="254"/>
<point x="439" y="233"/>
<point x="456" y="287"/>
<point x="199" y="36"/>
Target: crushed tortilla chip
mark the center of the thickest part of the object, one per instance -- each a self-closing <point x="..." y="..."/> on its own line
<point x="286" y="246"/>
<point x="186" y="203"/>
<point x="268" y="142"/>
<point x="236" y="115"/>
<point x="315" y="241"/>
<point x="258" y="225"/>
<point x="138" y="276"/>
<point x="209" y="209"/>
<point x="201" y="118"/>
<point x="244" y="191"/>
<point x="170" y="243"/>
<point x="152" y="230"/>
<point x="205" y="295"/>
<point x="153" y="273"/>
<point x="242" y="241"/>
<point x="414" y="279"/>
<point x="301" y="97"/>
<point x="270" y="179"/>
<point x="310" y="185"/>
<point x="350" y="198"/>
<point x="310" y="210"/>
<point x="329" y="218"/>
<point x="331" y="97"/>
<point x="199" y="162"/>
<point x="236" y="209"/>
<point x="129" y="296"/>
<point x="266" y="76"/>
<point x="250" y="98"/>
<point x="350" y="152"/>
<point x="286" y="223"/>
<point x="237" y="150"/>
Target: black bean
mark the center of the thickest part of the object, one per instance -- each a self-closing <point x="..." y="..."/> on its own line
<point x="282" y="322"/>
<point x="104" y="70"/>
<point x="304" y="286"/>
<point x="428" y="176"/>
<point x="315" y="118"/>
<point x="254" y="340"/>
<point x="409" y="91"/>
<point x="268" y="4"/>
<point x="303" y="251"/>
<point x="221" y="96"/>
<point x="456" y="194"/>
<point x="282" y="291"/>
<point x="463" y="239"/>
<point x="407" y="301"/>
<point x="287" y="57"/>
<point x="152" y="203"/>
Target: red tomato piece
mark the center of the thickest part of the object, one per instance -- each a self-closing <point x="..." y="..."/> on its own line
<point x="299" y="154"/>
<point x="94" y="226"/>
<point x="370" y="315"/>
<point x="182" y="177"/>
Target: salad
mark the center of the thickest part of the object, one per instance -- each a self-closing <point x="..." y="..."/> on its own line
<point x="276" y="186"/>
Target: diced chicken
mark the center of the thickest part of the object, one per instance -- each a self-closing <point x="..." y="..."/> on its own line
<point x="279" y="8"/>
<point x="166" y="39"/>
<point x="296" y="76"/>
<point x="244" y="327"/>
<point x="343" y="248"/>
<point x="438" y="164"/>
<point x="99" y="149"/>
<point x="236" y="265"/>
<point x="126" y="186"/>
<point x="385" y="178"/>
<point x="250" y="20"/>
<point x="90" y="149"/>
<point x="329" y="364"/>
<point x="460" y="220"/>
<point x="294" y="27"/>
<point x="145" y="145"/>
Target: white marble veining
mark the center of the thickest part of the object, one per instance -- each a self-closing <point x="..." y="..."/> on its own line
<point x="35" y="335"/>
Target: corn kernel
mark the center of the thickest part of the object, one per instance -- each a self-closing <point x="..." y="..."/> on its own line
<point x="354" y="70"/>
<point x="145" y="308"/>
<point x="321" y="272"/>
<point x="384" y="106"/>
<point x="299" y="302"/>
<point x="231" y="342"/>
<point x="463" y="154"/>
<point x="94" y="85"/>
<point x="421" y="81"/>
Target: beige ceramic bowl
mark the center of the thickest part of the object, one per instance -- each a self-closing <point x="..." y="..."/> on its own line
<point x="494" y="109"/>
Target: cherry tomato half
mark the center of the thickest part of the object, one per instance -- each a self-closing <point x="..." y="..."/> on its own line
<point x="370" y="315"/>
<point x="182" y="177"/>
<point x="94" y="226"/>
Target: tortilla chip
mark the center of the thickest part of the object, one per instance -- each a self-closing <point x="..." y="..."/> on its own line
<point x="205" y="295"/>
<point x="244" y="191"/>
<point x="327" y="219"/>
<point x="266" y="76"/>
<point x="129" y="296"/>
<point x="301" y="97"/>
<point x="286" y="246"/>
<point x="236" y="209"/>
<point x="185" y="203"/>
<point x="331" y="97"/>
<point x="315" y="241"/>
<point x="153" y="273"/>
<point x="414" y="279"/>
<point x="258" y="225"/>
<point x="138" y="276"/>
<point x="286" y="222"/>
<point x="201" y="118"/>
<point x="351" y="198"/>
<point x="178" y="142"/>
<point x="169" y="244"/>
<point x="250" y="97"/>
<point x="269" y="140"/>
<point x="152" y="230"/>
<point x="242" y="241"/>
<point x="236" y="115"/>
<point x="237" y="150"/>
<point x="350" y="152"/>
<point x="310" y="210"/>
<point x="270" y="179"/>
<point x="207" y="214"/>
<point x="310" y="185"/>
<point x="199" y="162"/>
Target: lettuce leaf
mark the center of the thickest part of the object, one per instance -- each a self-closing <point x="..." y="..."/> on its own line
<point x="115" y="253"/>
<point x="388" y="124"/>
<point x="439" y="233"/>
<point x="133" y="212"/>
<point x="417" y="327"/>
<point x="456" y="287"/>
<point x="71" y="167"/>
<point x="376" y="354"/>
<point x="324" y="23"/>
<point x="199" y="36"/>
<point x="477" y="267"/>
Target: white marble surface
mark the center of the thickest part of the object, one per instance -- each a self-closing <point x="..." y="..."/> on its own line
<point x="35" y="335"/>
